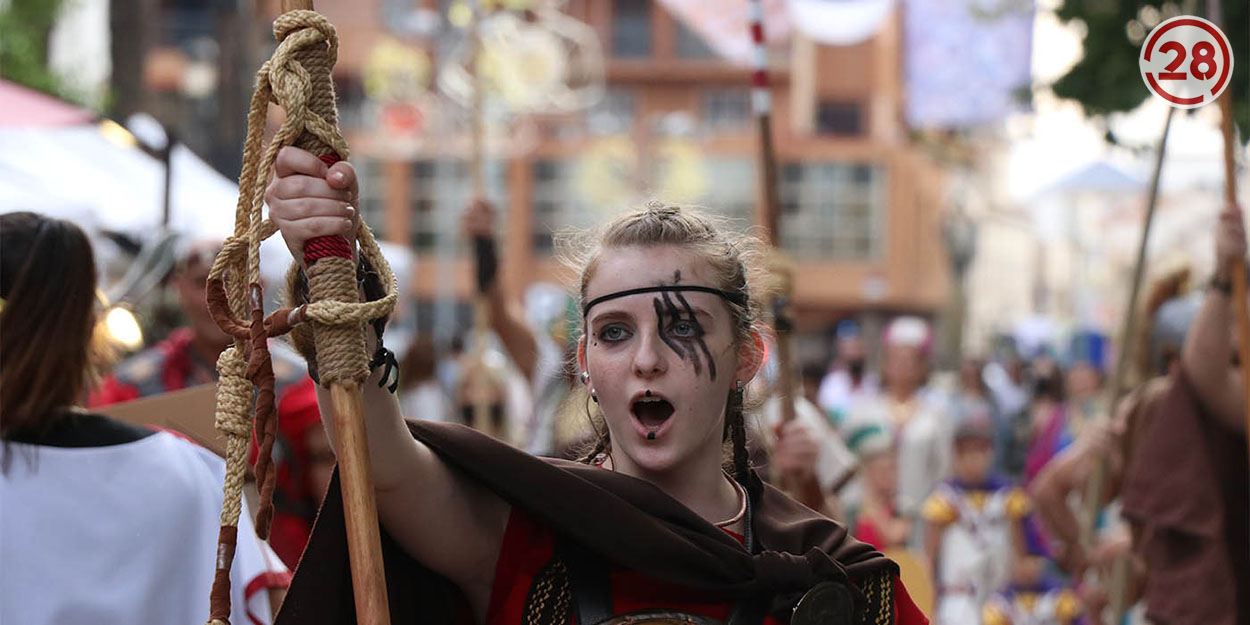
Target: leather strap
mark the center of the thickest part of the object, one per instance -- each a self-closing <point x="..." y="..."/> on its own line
<point x="588" y="581"/>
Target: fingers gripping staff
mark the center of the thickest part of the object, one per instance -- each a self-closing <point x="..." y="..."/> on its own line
<point x="296" y="78"/>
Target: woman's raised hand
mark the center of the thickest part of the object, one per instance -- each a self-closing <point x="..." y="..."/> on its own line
<point x="308" y="199"/>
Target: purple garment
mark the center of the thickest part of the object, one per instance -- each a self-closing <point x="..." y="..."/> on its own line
<point x="1046" y="444"/>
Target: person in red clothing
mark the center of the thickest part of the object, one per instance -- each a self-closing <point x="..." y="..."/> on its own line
<point x="874" y="519"/>
<point x="188" y="357"/>
<point x="663" y="515"/>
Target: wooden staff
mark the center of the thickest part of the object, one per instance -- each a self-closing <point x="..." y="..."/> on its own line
<point x="363" y="537"/>
<point x="479" y="384"/>
<point x="783" y="271"/>
<point x="1092" y="501"/>
<point x="1238" y="269"/>
<point x="1094" y="488"/>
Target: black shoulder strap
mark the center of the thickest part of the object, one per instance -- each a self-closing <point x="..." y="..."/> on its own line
<point x="588" y="581"/>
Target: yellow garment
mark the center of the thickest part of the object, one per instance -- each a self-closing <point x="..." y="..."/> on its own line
<point x="1018" y="504"/>
<point x="1068" y="607"/>
<point x="937" y="509"/>
<point x="993" y="615"/>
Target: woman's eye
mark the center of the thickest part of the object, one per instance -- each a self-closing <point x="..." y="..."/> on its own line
<point x="613" y="333"/>
<point x="684" y="329"/>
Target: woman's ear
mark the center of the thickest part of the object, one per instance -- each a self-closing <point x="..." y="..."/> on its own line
<point x="581" y="354"/>
<point x="752" y="356"/>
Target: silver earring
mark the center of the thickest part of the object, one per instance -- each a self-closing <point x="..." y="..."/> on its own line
<point x="585" y="377"/>
<point x="739" y="386"/>
<point x="594" y="395"/>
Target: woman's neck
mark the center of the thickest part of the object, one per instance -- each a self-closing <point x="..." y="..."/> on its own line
<point x="699" y="484"/>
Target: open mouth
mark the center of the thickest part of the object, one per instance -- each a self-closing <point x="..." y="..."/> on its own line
<point x="652" y="412"/>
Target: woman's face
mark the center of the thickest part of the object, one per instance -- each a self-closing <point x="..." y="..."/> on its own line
<point x="661" y="363"/>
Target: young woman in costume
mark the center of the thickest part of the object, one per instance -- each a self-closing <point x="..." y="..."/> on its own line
<point x="103" y="521"/>
<point x="652" y="523"/>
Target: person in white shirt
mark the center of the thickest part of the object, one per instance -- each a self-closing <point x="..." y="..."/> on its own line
<point x="915" y="415"/>
<point x="100" y="521"/>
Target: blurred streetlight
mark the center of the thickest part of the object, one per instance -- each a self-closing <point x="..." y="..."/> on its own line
<point x="123" y="328"/>
<point x="959" y="234"/>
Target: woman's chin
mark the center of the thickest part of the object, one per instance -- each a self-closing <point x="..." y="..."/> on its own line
<point x="652" y="458"/>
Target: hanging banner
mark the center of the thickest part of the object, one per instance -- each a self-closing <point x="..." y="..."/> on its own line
<point x="966" y="60"/>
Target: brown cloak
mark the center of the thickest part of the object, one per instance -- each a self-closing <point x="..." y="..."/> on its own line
<point x="628" y="521"/>
<point x="1186" y="491"/>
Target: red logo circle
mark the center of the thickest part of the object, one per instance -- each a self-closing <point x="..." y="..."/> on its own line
<point x="1186" y="61"/>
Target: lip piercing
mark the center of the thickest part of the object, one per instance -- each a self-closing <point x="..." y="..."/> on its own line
<point x="648" y="392"/>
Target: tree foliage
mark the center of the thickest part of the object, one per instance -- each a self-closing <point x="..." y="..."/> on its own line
<point x="1107" y="79"/>
<point x="25" y="27"/>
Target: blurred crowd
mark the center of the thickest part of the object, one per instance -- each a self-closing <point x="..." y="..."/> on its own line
<point x="976" y="480"/>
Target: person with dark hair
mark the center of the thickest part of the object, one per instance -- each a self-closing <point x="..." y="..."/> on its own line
<point x="664" y="518"/>
<point x="102" y="521"/>
<point x="1048" y="432"/>
<point x="848" y="379"/>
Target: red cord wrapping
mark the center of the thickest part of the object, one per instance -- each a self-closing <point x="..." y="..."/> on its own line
<point x="326" y="247"/>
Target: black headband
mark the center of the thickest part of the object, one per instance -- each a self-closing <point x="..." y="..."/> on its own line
<point x="736" y="298"/>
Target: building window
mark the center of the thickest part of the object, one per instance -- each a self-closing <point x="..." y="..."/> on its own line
<point x="842" y="119"/>
<point x="614" y="113"/>
<point x="372" y="203"/>
<point x="631" y="29"/>
<point x="439" y="191"/>
<point x="690" y="45"/>
<point x="731" y="189"/>
<point x="832" y="211"/>
<point x="725" y="109"/>
<point x="556" y="204"/>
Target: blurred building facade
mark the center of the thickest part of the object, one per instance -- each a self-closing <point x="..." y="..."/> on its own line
<point x="860" y="205"/>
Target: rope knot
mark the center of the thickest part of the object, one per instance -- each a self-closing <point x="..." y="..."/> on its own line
<point x="292" y="21"/>
<point x="234" y="396"/>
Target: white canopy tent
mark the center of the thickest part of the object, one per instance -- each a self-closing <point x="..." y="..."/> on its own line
<point x="99" y="168"/>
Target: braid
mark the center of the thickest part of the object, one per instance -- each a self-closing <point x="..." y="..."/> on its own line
<point x="736" y="422"/>
<point x="603" y="438"/>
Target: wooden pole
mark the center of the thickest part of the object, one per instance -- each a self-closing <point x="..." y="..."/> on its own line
<point x="809" y="494"/>
<point x="480" y="385"/>
<point x="1094" y="488"/>
<point x="1238" y="269"/>
<point x="364" y="543"/>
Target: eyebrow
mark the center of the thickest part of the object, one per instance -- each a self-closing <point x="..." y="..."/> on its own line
<point x="621" y="315"/>
<point x="610" y="315"/>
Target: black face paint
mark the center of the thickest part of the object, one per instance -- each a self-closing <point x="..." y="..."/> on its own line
<point x="699" y="334"/>
<point x="677" y="348"/>
<point x="674" y="314"/>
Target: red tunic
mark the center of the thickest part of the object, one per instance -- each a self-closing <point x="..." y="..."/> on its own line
<point x="527" y="546"/>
